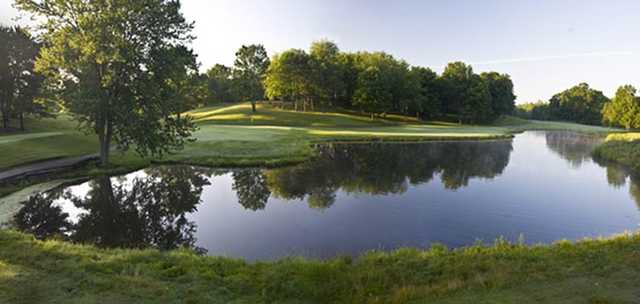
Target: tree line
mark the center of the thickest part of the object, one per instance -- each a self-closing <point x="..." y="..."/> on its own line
<point x="20" y="86"/>
<point x="372" y="82"/>
<point x="583" y="104"/>
<point x="127" y="73"/>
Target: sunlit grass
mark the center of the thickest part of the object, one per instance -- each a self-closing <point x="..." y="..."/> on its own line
<point x="623" y="148"/>
<point x="233" y="135"/>
<point x="590" y="271"/>
<point x="242" y="114"/>
<point x="14" y="138"/>
<point x="631" y="136"/>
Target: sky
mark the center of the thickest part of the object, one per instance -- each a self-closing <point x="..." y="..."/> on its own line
<point x="546" y="46"/>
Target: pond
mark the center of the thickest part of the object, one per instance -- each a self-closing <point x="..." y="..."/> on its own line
<point x="538" y="187"/>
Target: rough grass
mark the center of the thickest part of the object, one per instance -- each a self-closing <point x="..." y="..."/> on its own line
<point x="623" y="149"/>
<point x="590" y="271"/>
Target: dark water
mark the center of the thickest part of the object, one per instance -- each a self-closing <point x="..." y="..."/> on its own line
<point x="353" y="198"/>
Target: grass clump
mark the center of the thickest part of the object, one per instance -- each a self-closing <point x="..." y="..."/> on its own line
<point x="604" y="270"/>
<point x="623" y="149"/>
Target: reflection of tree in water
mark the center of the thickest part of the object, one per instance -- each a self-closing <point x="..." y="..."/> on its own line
<point x="572" y="147"/>
<point x="148" y="211"/>
<point x="618" y="176"/>
<point x="387" y="168"/>
<point x="251" y="188"/>
<point x="40" y="217"/>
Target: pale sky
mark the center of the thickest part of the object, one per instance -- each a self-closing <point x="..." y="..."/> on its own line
<point x="546" y="46"/>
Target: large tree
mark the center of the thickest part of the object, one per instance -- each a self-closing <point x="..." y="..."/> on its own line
<point x="477" y="103"/>
<point x="288" y="77"/>
<point x="456" y="80"/>
<point x="19" y="84"/>
<point x="381" y="84"/>
<point x="251" y="66"/>
<point x="467" y="95"/>
<point x="501" y="90"/>
<point x="624" y="109"/>
<point x="326" y="72"/>
<point x="424" y="85"/>
<point x="580" y="104"/>
<point x="121" y="64"/>
<point x="220" y="84"/>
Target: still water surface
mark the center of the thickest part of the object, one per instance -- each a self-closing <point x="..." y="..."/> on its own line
<point x="540" y="186"/>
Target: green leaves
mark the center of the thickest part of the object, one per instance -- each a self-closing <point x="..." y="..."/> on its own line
<point x="250" y="67"/>
<point x="19" y="83"/>
<point x="124" y="68"/>
<point x="624" y="108"/>
<point x="579" y="104"/>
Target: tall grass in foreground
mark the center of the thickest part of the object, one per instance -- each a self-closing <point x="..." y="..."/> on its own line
<point x="589" y="271"/>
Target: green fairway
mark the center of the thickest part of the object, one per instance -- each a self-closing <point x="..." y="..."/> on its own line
<point x="232" y="135"/>
<point x="594" y="271"/>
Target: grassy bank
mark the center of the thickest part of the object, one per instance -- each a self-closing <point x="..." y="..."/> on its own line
<point x="515" y="124"/>
<point x="590" y="271"/>
<point x="623" y="149"/>
<point x="232" y="135"/>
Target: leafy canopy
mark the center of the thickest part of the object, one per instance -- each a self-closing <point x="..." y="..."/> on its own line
<point x="120" y="66"/>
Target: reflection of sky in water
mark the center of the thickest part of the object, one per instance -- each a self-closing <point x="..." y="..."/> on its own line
<point x="546" y="188"/>
<point x="82" y="190"/>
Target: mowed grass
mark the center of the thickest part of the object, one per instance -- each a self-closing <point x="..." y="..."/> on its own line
<point x="231" y="135"/>
<point x="590" y="271"/>
<point x="518" y="124"/>
<point x="241" y="114"/>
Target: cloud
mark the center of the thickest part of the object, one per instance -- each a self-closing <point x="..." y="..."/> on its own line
<point x="553" y="57"/>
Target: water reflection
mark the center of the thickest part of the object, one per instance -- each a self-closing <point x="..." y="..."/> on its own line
<point x="619" y="176"/>
<point x="410" y="194"/>
<point x="121" y="212"/>
<point x="381" y="169"/>
<point x="575" y="148"/>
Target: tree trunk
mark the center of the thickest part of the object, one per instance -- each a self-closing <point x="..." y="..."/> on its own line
<point x="104" y="137"/>
<point x="5" y="114"/>
<point x="21" y="121"/>
<point x="253" y="106"/>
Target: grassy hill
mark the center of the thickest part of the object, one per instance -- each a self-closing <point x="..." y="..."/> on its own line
<point x="233" y="135"/>
<point x="241" y="114"/>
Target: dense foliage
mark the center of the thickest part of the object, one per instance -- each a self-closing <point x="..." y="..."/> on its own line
<point x="580" y="104"/>
<point x="624" y="109"/>
<point x="19" y="84"/>
<point x="241" y="82"/>
<point x="378" y="83"/>
<point x="123" y="69"/>
<point x="533" y="110"/>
